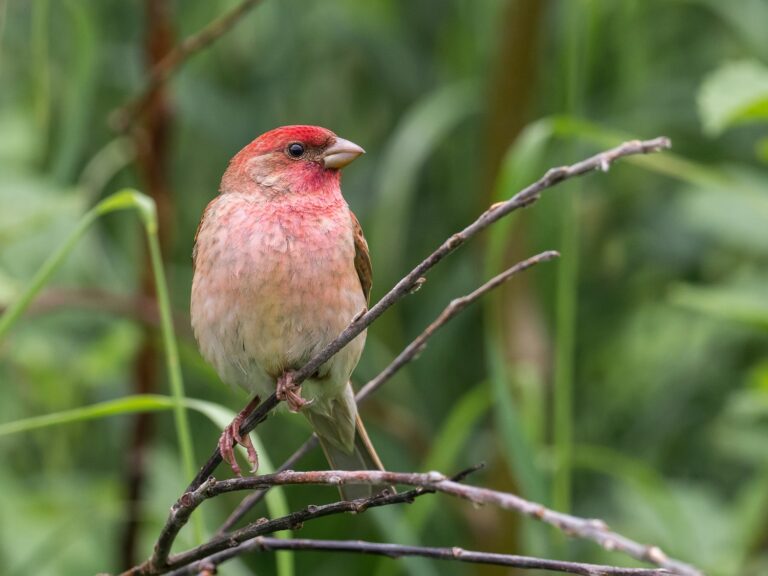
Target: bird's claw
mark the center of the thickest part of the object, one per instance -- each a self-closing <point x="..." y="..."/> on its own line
<point x="231" y="437"/>
<point x="290" y="393"/>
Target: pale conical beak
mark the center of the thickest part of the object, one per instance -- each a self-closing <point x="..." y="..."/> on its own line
<point x="341" y="153"/>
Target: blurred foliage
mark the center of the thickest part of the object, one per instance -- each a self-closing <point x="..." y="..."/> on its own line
<point x="669" y="375"/>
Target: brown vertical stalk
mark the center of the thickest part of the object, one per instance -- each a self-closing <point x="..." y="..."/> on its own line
<point x="511" y="91"/>
<point x="152" y="136"/>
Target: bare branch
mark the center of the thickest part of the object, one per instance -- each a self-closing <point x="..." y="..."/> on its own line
<point x="525" y="197"/>
<point x="160" y="563"/>
<point x="589" y="529"/>
<point x="407" y="355"/>
<point x="201" y="489"/>
<point x="124" y="117"/>
<point x="453" y="309"/>
<point x="262" y="543"/>
<point x="415" y="277"/>
<point x="255" y="497"/>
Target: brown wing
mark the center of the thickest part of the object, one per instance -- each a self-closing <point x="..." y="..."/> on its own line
<point x="362" y="258"/>
<point x="208" y="209"/>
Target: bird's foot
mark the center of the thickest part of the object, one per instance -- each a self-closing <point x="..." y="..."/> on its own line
<point x="289" y="392"/>
<point x="231" y="437"/>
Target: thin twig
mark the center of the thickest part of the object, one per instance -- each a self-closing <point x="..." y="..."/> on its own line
<point x="589" y="529"/>
<point x="415" y="277"/>
<point x="255" y="497"/>
<point x="594" y="530"/>
<point x="525" y="197"/>
<point x="265" y="543"/>
<point x="407" y="355"/>
<point x="450" y="311"/>
<point x="124" y="117"/>
<point x="160" y="562"/>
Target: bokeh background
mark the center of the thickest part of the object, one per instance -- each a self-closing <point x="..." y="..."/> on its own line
<point x="627" y="381"/>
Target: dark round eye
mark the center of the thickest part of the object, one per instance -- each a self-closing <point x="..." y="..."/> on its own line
<point x="296" y="149"/>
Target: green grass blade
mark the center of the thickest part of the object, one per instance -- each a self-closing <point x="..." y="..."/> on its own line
<point x="49" y="267"/>
<point x="733" y="304"/>
<point x="276" y="501"/>
<point x="171" y="351"/>
<point x="446" y="448"/>
<point x="119" y="201"/>
<point x="449" y="442"/>
<point x="145" y="206"/>
<point x="127" y="405"/>
<point x="422" y="129"/>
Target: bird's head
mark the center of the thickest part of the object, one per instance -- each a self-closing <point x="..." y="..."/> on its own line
<point x="290" y="159"/>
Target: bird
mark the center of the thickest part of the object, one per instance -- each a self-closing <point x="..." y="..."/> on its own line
<point x="281" y="267"/>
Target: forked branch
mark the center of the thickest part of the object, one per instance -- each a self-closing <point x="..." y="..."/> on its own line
<point x="253" y="536"/>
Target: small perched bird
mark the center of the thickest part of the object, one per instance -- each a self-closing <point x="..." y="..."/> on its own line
<point x="281" y="267"/>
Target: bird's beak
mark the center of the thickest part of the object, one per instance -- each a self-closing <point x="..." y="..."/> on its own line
<point x="341" y="153"/>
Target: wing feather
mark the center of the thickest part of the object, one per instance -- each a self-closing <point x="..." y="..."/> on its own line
<point x="362" y="258"/>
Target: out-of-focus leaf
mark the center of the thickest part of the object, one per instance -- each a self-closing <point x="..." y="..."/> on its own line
<point x="220" y="416"/>
<point x="749" y="519"/>
<point x="20" y="141"/>
<point x="394" y="528"/>
<point x="732" y="214"/>
<point x="119" y="201"/>
<point x="637" y="476"/>
<point x="761" y="150"/>
<point x="449" y="443"/>
<point x="520" y="166"/>
<point x="420" y="131"/>
<point x="446" y="447"/>
<point x="735" y="93"/>
<point x="127" y="405"/>
<point x="747" y="18"/>
<point x="735" y="304"/>
<point x="78" y="95"/>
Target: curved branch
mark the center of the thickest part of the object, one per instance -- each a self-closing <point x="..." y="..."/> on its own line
<point x="589" y="529"/>
<point x="160" y="562"/>
<point x="415" y="278"/>
<point x="262" y="543"/>
<point x="204" y="487"/>
<point x="408" y="354"/>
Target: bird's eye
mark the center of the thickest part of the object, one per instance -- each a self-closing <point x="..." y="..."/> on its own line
<point x="296" y="150"/>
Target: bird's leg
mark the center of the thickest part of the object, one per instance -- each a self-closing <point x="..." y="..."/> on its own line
<point x="289" y="392"/>
<point x="231" y="437"/>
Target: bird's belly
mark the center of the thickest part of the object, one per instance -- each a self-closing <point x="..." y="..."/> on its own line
<point x="268" y="301"/>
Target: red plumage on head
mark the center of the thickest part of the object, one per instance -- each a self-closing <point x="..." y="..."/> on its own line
<point x="279" y="138"/>
<point x="300" y="176"/>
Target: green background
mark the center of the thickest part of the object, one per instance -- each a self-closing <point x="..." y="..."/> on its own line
<point x="626" y="381"/>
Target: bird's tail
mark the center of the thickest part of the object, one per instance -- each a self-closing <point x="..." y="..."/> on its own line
<point x="344" y="440"/>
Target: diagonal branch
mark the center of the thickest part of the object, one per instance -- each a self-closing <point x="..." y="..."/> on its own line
<point x="413" y="280"/>
<point x="450" y="311"/>
<point x="124" y="117"/>
<point x="589" y="529"/>
<point x="522" y="199"/>
<point x="407" y="355"/>
<point x="181" y="511"/>
<point x="263" y="543"/>
<point x="204" y="487"/>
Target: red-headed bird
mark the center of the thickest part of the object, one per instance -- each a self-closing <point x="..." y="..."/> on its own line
<point x="281" y="267"/>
